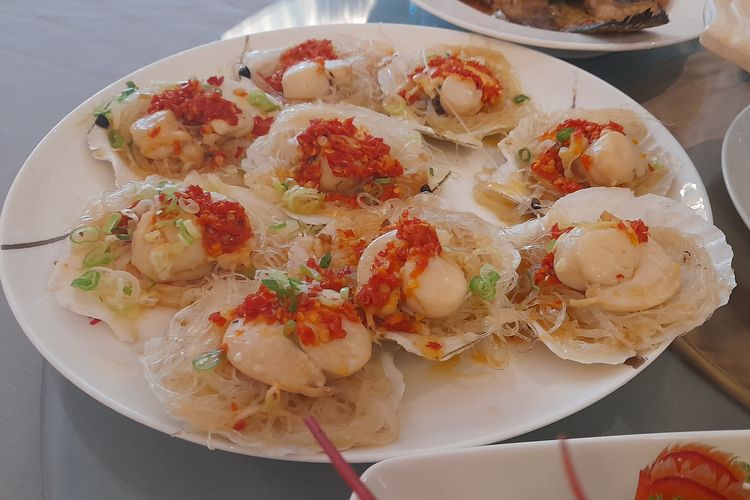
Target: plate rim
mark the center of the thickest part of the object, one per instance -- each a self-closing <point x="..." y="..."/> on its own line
<point x="726" y="171"/>
<point x="363" y="454"/>
<point x="595" y="48"/>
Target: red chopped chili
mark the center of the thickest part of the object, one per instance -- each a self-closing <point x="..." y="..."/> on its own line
<point x="261" y="125"/>
<point x="441" y="67"/>
<point x="224" y="223"/>
<point x="194" y="105"/>
<point x="349" y="151"/>
<point x="549" y="166"/>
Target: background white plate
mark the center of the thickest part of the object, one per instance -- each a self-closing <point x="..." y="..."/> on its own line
<point x="685" y="23"/>
<point x="441" y="409"/>
<point x="607" y="468"/>
<point x="735" y="163"/>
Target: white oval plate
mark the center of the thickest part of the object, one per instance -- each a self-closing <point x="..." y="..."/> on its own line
<point x="440" y="410"/>
<point x="607" y="467"/>
<point x="735" y="163"/>
<point x="685" y="23"/>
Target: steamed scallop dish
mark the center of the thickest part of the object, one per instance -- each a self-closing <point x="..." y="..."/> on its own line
<point x="251" y="358"/>
<point x="152" y="244"/>
<point x="333" y="71"/>
<point x="430" y="279"/>
<point x="461" y="94"/>
<point x="549" y="156"/>
<point x="585" y="16"/>
<point x="319" y="161"/>
<point x="172" y="129"/>
<point x="608" y="275"/>
<point x="282" y="242"/>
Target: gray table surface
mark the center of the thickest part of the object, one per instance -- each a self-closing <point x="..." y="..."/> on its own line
<point x="59" y="443"/>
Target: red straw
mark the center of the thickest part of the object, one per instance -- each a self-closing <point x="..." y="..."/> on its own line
<point x="570" y="471"/>
<point x="345" y="470"/>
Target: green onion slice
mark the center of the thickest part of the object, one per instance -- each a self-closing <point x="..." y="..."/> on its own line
<point x="521" y="98"/>
<point x="98" y="256"/>
<point x="278" y="226"/>
<point x="87" y="281"/>
<point x="325" y="261"/>
<point x="310" y="273"/>
<point x="115" y="139"/>
<point x="184" y="235"/>
<point x="84" y="234"/>
<point x="260" y="100"/>
<point x="564" y="134"/>
<point x="290" y="327"/>
<point x="208" y="360"/>
<point x="111" y="223"/>
<point x="382" y="180"/>
<point x="524" y="155"/>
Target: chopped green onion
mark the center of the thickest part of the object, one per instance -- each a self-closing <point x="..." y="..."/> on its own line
<point x="131" y="87"/>
<point x="111" y="223"/>
<point x="84" y="234"/>
<point x="183" y="232"/>
<point x="290" y="327"/>
<point x="325" y="261"/>
<point x="524" y="155"/>
<point x="564" y="134"/>
<point x="521" y="98"/>
<point x="193" y="231"/>
<point x="278" y="226"/>
<point x="278" y="186"/>
<point x="655" y="165"/>
<point x="260" y="100"/>
<point x="98" y="257"/>
<point x="127" y="290"/>
<point x="208" y="360"/>
<point x="394" y="105"/>
<point x="345" y="293"/>
<point x="310" y="273"/>
<point x="382" y="180"/>
<point x="485" y="285"/>
<point x="272" y="285"/>
<point x="87" y="281"/>
<point x="432" y="171"/>
<point x="115" y="139"/>
<point x="550" y="246"/>
<point x="302" y="200"/>
<point x="124" y="237"/>
<point x="293" y="304"/>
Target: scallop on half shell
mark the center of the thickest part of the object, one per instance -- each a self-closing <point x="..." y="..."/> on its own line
<point x="610" y="275"/>
<point x="456" y="93"/>
<point x="594" y="147"/>
<point x="143" y="248"/>
<point x="150" y="131"/>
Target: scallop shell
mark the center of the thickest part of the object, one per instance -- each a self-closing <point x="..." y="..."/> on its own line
<point x="128" y="164"/>
<point x="467" y="131"/>
<point x="191" y="396"/>
<point x="136" y="324"/>
<point x="462" y="234"/>
<point x="657" y="212"/>
<point x="364" y="56"/>
<point x="510" y="190"/>
<point x="276" y="154"/>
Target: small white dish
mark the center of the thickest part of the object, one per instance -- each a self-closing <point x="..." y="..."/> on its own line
<point x="735" y="163"/>
<point x="607" y="467"/>
<point x="685" y="23"/>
